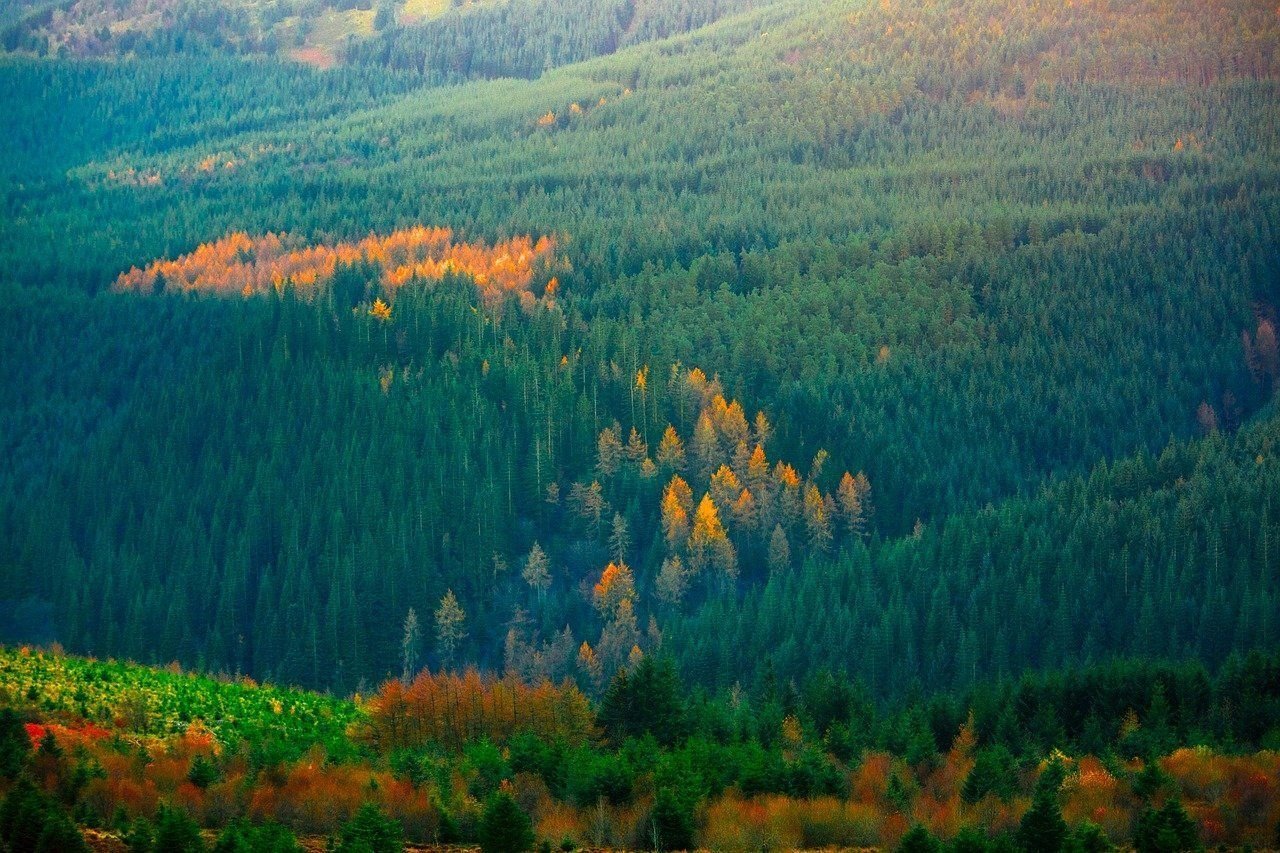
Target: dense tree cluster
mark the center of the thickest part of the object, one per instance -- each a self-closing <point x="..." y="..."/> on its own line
<point x="444" y="41"/>
<point x="1079" y="759"/>
<point x="240" y="265"/>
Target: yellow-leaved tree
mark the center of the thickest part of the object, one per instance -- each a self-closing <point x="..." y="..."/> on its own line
<point x="709" y="545"/>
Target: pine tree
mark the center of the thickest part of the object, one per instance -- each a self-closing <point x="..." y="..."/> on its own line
<point x="779" y="557"/>
<point x="619" y="539"/>
<point x="371" y="831"/>
<point x="919" y="840"/>
<point x="672" y="822"/>
<point x="672" y="582"/>
<point x="450" y="619"/>
<point x="536" y="571"/>
<point x="15" y="744"/>
<point x="409" y="644"/>
<point x="504" y="827"/>
<point x="1042" y="829"/>
<point x="176" y="832"/>
<point x="60" y="835"/>
<point x="670" y="456"/>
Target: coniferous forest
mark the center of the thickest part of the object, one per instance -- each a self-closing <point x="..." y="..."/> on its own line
<point x="645" y="424"/>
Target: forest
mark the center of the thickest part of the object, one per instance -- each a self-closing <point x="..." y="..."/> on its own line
<point x="737" y="417"/>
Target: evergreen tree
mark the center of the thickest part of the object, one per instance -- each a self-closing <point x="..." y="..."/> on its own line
<point x="1166" y="831"/>
<point x="140" y="836"/>
<point x="504" y="827"/>
<point x="1042" y="829"/>
<point x="1088" y="837"/>
<point x="993" y="773"/>
<point x="919" y="840"/>
<point x="60" y="835"/>
<point x="409" y="646"/>
<point x="646" y="700"/>
<point x="176" y="832"/>
<point x="203" y="772"/>
<point x="672" y="822"/>
<point x="23" y="816"/>
<point x="15" y="744"/>
<point x="371" y="831"/>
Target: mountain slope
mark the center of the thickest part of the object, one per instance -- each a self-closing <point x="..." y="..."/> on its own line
<point x="956" y="283"/>
<point x="444" y="39"/>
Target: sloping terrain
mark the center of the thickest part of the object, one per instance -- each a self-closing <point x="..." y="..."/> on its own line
<point x="961" y="248"/>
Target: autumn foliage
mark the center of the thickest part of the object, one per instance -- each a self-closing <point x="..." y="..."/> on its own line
<point x="1095" y="40"/>
<point x="454" y="709"/>
<point x="242" y="265"/>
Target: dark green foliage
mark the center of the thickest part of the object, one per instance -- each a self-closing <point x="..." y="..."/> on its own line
<point x="644" y="701"/>
<point x="60" y="835"/>
<point x="1042" y="829"/>
<point x="15" y="745"/>
<point x="505" y="828"/>
<point x="1072" y="537"/>
<point x="673" y="821"/>
<point x="23" y="816"/>
<point x="176" y="832"/>
<point x="240" y="836"/>
<point x="851" y="228"/>
<point x="994" y="772"/>
<point x="371" y="831"/>
<point x="900" y="793"/>
<point x="1088" y="838"/>
<point x="31" y="822"/>
<point x="49" y="748"/>
<point x="140" y="836"/>
<point x="74" y="781"/>
<point x="593" y="776"/>
<point x="1165" y="831"/>
<point x="1008" y="316"/>
<point x="489" y="766"/>
<point x="530" y="754"/>
<point x="919" y="840"/>
<point x="203" y="772"/>
<point x="969" y="840"/>
<point x="1150" y="779"/>
<point x="524" y="38"/>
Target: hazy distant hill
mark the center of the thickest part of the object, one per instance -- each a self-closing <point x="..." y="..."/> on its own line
<point x="453" y="39"/>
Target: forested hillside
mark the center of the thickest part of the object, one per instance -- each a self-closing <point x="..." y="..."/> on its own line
<point x="1055" y="761"/>
<point x="926" y="345"/>
<point x="955" y="286"/>
<point x="443" y="40"/>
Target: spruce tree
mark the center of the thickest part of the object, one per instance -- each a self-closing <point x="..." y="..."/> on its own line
<point x="1042" y="829"/>
<point x="919" y="840"/>
<point x="15" y="745"/>
<point x="505" y="828"/>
